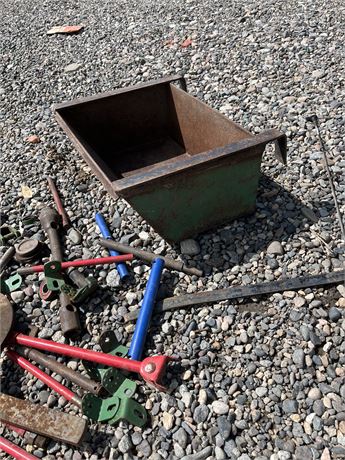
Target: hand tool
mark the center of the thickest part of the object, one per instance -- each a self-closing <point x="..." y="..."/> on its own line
<point x="151" y="369"/>
<point x="138" y="340"/>
<point x="69" y="317"/>
<point x="60" y="426"/>
<point x="15" y="451"/>
<point x="58" y="203"/>
<point x="238" y="292"/>
<point x="45" y="293"/>
<point x="76" y="377"/>
<point x="78" y="263"/>
<point x="115" y="407"/>
<point x="102" y="225"/>
<point x="45" y="378"/>
<point x="7" y="257"/>
<point x="150" y="256"/>
<point x="314" y="119"/>
<point x="86" y="285"/>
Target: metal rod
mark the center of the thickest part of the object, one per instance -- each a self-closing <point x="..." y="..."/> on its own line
<point x="151" y="369"/>
<point x="150" y="256"/>
<point x="102" y="225"/>
<point x="138" y="340"/>
<point x="58" y="203"/>
<point x="15" y="451"/>
<point x="314" y="119"/>
<point x="238" y="292"/>
<point x="69" y="317"/>
<point x="78" y="263"/>
<point x="7" y="257"/>
<point x="69" y="374"/>
<point x="52" y="383"/>
<point x="50" y="222"/>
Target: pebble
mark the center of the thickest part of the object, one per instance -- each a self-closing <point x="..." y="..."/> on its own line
<point x="200" y="413"/>
<point x="275" y="248"/>
<point x="72" y="67"/>
<point x="17" y="296"/>
<point x="220" y="408"/>
<point x="334" y="314"/>
<point x="290" y="406"/>
<point x="168" y="421"/>
<point x="298" y="357"/>
<point x="74" y="236"/>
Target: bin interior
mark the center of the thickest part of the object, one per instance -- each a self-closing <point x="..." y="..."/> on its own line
<point x="130" y="132"/>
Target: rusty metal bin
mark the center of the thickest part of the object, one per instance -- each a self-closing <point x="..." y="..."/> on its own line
<point x="183" y="166"/>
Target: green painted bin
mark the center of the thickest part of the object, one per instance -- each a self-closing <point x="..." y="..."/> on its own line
<point x="183" y="166"/>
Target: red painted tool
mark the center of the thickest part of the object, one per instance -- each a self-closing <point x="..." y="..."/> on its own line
<point x="15" y="451"/>
<point x="79" y="263"/>
<point x="151" y="369"/>
<point x="52" y="383"/>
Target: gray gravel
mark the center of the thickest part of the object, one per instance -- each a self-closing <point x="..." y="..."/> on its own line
<point x="257" y="381"/>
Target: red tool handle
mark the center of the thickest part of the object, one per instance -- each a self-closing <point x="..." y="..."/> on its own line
<point x="52" y="383"/>
<point x="80" y="263"/>
<point x="76" y="352"/>
<point x="15" y="451"/>
<point x="151" y="369"/>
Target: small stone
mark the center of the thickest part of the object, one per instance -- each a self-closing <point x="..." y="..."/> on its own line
<point x="220" y="408"/>
<point x="304" y="453"/>
<point x="224" y="427"/>
<point x="144" y="448"/>
<point x="190" y="247"/>
<point x="125" y="444"/>
<point x="314" y="394"/>
<point x="17" y="296"/>
<point x="72" y="67"/>
<point x="202" y="396"/>
<point x="74" y="236"/>
<point x="187" y="375"/>
<point x="326" y="455"/>
<point x="181" y="437"/>
<point x="334" y="314"/>
<point x="275" y="248"/>
<point x="290" y="406"/>
<point x="201" y="455"/>
<point x="298" y="357"/>
<point x="299" y="302"/>
<point x="168" y="421"/>
<point x="309" y="214"/>
<point x="113" y="279"/>
<point x="318" y="73"/>
<point x="144" y="236"/>
<point x="261" y="391"/>
<point x="131" y="298"/>
<point x="200" y="413"/>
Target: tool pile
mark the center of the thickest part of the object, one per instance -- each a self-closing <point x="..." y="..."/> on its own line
<point x="107" y="391"/>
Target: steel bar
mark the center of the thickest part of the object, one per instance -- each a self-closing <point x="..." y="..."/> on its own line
<point x="15" y="451"/>
<point x="76" y="377"/>
<point x="52" y="383"/>
<point x="50" y="222"/>
<point x="237" y="292"/>
<point x="138" y="340"/>
<point x="69" y="317"/>
<point x="78" y="263"/>
<point x="150" y="256"/>
<point x="102" y="225"/>
<point x="53" y="424"/>
<point x="7" y="257"/>
<point x="314" y="119"/>
<point x="58" y="203"/>
<point x="151" y="369"/>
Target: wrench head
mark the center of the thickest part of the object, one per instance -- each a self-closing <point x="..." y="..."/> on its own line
<point x="152" y="370"/>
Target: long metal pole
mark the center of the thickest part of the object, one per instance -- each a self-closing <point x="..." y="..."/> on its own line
<point x="314" y="119"/>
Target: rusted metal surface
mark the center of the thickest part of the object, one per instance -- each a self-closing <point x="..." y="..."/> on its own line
<point x="53" y="424"/>
<point x="182" y="165"/>
<point x="58" y="203"/>
<point x="6" y="258"/>
<point x="69" y="374"/>
<point x="28" y="250"/>
<point x="237" y="292"/>
<point x="6" y="317"/>
<point x="150" y="256"/>
<point x="50" y="222"/>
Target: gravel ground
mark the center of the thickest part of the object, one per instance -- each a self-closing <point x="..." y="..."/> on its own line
<point x="263" y="380"/>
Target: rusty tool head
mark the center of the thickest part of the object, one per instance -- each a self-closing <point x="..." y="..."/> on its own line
<point x="152" y="370"/>
<point x="6" y="315"/>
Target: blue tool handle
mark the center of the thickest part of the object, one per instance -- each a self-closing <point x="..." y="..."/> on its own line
<point x="138" y="341"/>
<point x="103" y="227"/>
